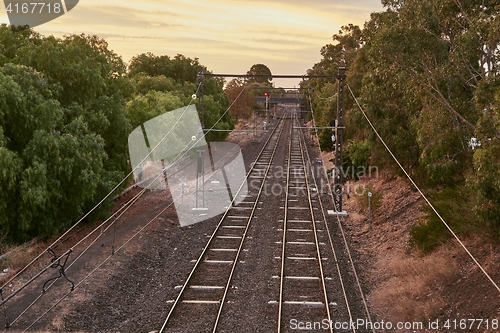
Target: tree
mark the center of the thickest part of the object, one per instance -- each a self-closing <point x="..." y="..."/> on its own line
<point x="260" y="73"/>
<point x="146" y="83"/>
<point x="145" y="107"/>
<point x="63" y="128"/>
<point x="148" y="63"/>
<point x="217" y="118"/>
<point x="240" y="98"/>
<point x="82" y="65"/>
<point x="177" y="79"/>
<point x="50" y="168"/>
<point x="181" y="68"/>
<point x="13" y="39"/>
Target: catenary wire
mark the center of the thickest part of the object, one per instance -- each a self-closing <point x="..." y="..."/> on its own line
<point x="128" y="205"/>
<point x="100" y="202"/>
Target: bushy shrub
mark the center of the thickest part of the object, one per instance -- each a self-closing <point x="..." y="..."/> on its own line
<point x="453" y="204"/>
<point x="356" y="158"/>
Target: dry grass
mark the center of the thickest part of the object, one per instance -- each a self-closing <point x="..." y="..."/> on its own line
<point x="412" y="290"/>
<point x="16" y="258"/>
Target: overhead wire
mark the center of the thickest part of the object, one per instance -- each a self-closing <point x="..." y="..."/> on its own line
<point x="101" y="201"/>
<point x="423" y="195"/>
<point x="181" y="154"/>
<point x="122" y="211"/>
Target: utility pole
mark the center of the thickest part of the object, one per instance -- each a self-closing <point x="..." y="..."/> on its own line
<point x="201" y="92"/>
<point x="200" y="173"/>
<point x="338" y="181"/>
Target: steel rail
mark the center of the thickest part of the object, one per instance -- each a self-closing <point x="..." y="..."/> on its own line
<point x="254" y="208"/>
<point x="318" y="251"/>
<point x="217" y="228"/>
<point x="342" y="284"/>
<point x="339" y="223"/>
<point x="324" y="292"/>
<point x="285" y="219"/>
<point x="346" y="245"/>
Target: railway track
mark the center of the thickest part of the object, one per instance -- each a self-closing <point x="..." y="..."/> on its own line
<point x="312" y="291"/>
<point x="302" y="285"/>
<point x="302" y="278"/>
<point x="199" y="304"/>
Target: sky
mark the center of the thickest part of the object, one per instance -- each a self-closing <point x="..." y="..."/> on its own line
<point x="228" y="36"/>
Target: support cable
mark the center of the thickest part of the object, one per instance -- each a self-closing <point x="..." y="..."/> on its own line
<point x="423" y="195"/>
<point x="97" y="267"/>
<point x="100" y="202"/>
<point x="128" y="205"/>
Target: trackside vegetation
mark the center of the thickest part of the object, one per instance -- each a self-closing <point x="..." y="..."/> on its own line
<point x="67" y="106"/>
<point x="426" y="72"/>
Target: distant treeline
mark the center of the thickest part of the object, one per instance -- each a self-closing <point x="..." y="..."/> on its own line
<point x="427" y="74"/>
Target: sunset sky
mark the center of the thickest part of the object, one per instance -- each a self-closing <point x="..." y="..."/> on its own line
<point x="228" y="36"/>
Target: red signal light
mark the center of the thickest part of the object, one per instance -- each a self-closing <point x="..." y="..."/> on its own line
<point x="266" y="94"/>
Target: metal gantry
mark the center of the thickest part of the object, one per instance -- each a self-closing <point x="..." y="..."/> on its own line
<point x="338" y="179"/>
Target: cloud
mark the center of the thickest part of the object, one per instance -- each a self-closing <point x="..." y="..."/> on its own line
<point x="226" y="35"/>
<point x="117" y="17"/>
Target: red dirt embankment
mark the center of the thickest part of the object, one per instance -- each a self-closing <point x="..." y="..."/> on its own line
<point x="404" y="285"/>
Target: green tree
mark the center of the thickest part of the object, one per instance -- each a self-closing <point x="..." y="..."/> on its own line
<point x="426" y="73"/>
<point x="180" y="68"/>
<point x="82" y="65"/>
<point x="145" y="107"/>
<point x="64" y="128"/>
<point x="13" y="39"/>
<point x="177" y="79"/>
<point x="217" y="118"/>
<point x="50" y="169"/>
<point x="146" y="83"/>
<point x="260" y="73"/>
<point x="486" y="184"/>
